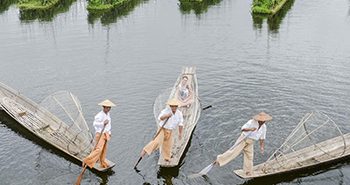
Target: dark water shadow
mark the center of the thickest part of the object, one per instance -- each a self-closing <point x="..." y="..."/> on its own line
<point x="168" y="173"/>
<point x="297" y="174"/>
<point x="111" y="16"/>
<point x="7" y="120"/>
<point x="186" y="7"/>
<point x="45" y="15"/>
<point x="273" y="21"/>
<point x="5" y="4"/>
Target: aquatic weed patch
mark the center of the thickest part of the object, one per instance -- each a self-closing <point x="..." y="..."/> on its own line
<point x="36" y="4"/>
<point x="102" y="5"/>
<point x="198" y="6"/>
<point x="45" y="14"/>
<point x="267" y="6"/>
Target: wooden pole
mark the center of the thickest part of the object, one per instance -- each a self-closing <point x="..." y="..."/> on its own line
<point x="84" y="168"/>
<point x="138" y="161"/>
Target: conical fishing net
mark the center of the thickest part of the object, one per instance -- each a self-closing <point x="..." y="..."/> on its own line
<point x="70" y="128"/>
<point x="315" y="139"/>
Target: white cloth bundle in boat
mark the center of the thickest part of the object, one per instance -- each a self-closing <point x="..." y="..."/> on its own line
<point x="315" y="139"/>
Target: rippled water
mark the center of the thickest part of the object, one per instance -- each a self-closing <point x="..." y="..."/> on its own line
<point x="287" y="66"/>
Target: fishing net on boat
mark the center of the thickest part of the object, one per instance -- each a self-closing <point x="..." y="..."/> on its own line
<point x="71" y="130"/>
<point x="160" y="102"/>
<point x="315" y="139"/>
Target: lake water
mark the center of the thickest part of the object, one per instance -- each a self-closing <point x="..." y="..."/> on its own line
<point x="287" y="65"/>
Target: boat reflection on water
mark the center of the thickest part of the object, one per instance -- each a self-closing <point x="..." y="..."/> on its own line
<point x="110" y="16"/>
<point x="308" y="176"/>
<point x="273" y="21"/>
<point x="5" y="4"/>
<point x="167" y="174"/>
<point x="45" y="15"/>
<point x="198" y="7"/>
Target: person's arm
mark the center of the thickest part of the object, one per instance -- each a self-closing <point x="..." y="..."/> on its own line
<point x="164" y="115"/>
<point x="262" y="139"/>
<point x="98" y="121"/>
<point x="180" y="132"/>
<point x="262" y="145"/>
<point x="181" y="125"/>
<point x="247" y="127"/>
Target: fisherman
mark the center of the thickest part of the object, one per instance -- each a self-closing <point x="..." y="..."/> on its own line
<point x="102" y="123"/>
<point x="253" y="130"/>
<point x="169" y="119"/>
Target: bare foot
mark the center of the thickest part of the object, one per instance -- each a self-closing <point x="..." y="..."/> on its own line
<point x="143" y="153"/>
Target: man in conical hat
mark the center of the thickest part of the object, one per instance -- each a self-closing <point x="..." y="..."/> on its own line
<point x="169" y="119"/>
<point x="102" y="123"/>
<point x="253" y="130"/>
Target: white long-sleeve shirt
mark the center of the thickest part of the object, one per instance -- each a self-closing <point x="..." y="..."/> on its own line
<point x="257" y="134"/>
<point x="99" y="122"/>
<point x="175" y="120"/>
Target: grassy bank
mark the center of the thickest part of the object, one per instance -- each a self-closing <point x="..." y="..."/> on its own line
<point x="37" y="4"/>
<point x="267" y="6"/>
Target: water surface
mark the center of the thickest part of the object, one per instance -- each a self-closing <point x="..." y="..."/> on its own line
<point x="286" y="65"/>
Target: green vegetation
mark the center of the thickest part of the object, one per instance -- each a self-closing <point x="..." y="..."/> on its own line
<point x="45" y="14"/>
<point x="108" y="16"/>
<point x="5" y="4"/>
<point x="273" y="21"/>
<point x="103" y="5"/>
<point x="267" y="6"/>
<point x="37" y="4"/>
<point x="198" y="6"/>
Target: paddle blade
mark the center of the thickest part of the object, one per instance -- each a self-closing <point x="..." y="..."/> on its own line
<point x="207" y="107"/>
<point x="80" y="177"/>
<point x="203" y="172"/>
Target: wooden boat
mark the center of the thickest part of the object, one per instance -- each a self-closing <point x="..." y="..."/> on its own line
<point x="190" y="109"/>
<point x="71" y="135"/>
<point x="306" y="147"/>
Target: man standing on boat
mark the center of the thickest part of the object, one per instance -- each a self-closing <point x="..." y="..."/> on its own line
<point x="102" y="123"/>
<point x="253" y="130"/>
<point x="169" y="119"/>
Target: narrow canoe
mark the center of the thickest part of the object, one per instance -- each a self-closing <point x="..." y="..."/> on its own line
<point x="73" y="140"/>
<point x="191" y="111"/>
<point x="304" y="149"/>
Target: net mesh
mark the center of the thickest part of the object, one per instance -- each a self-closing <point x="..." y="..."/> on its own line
<point x="315" y="139"/>
<point x="71" y="125"/>
<point x="160" y="102"/>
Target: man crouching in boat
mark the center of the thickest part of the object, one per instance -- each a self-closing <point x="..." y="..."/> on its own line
<point x="169" y="119"/>
<point x="102" y="123"/>
<point x="253" y="130"/>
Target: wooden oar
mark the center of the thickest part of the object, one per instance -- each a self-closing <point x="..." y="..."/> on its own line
<point x="138" y="161"/>
<point x="84" y="168"/>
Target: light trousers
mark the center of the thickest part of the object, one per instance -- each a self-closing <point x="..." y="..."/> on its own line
<point x="99" y="153"/>
<point x="162" y="140"/>
<point x="247" y="146"/>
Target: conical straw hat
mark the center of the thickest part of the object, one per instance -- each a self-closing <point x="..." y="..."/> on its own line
<point x="262" y="116"/>
<point x="107" y="103"/>
<point x="173" y="102"/>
